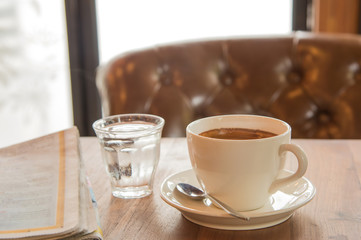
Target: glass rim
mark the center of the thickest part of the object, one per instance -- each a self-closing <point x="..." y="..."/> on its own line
<point x="97" y="125"/>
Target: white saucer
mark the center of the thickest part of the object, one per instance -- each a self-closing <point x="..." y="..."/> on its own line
<point x="279" y="208"/>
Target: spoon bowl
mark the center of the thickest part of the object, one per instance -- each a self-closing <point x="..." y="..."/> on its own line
<point x="197" y="194"/>
<point x="191" y="191"/>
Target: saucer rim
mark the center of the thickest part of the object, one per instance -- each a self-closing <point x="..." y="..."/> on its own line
<point x="251" y="214"/>
<point x="240" y="226"/>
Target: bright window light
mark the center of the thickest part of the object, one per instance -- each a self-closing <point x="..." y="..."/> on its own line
<point x="128" y="25"/>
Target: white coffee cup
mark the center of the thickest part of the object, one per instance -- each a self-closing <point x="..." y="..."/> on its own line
<point x="242" y="173"/>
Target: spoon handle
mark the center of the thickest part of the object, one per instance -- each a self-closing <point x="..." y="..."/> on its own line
<point x="228" y="209"/>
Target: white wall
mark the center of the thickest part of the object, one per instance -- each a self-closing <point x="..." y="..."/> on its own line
<point x="126" y="25"/>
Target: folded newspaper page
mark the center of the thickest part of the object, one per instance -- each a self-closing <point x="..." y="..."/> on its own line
<point x="44" y="191"/>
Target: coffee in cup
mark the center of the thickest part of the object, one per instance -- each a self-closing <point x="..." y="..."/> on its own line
<point x="237" y="133"/>
<point x="238" y="158"/>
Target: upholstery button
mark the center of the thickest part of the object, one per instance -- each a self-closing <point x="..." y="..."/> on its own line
<point x="165" y="80"/>
<point x="324" y="117"/>
<point x="227" y="78"/>
<point x="294" y="76"/>
<point x="165" y="77"/>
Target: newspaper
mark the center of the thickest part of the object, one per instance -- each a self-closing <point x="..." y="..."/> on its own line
<point x="44" y="191"/>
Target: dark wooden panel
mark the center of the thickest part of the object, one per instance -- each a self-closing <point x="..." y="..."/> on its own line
<point x="336" y="16"/>
<point x="301" y="15"/>
<point x="84" y="59"/>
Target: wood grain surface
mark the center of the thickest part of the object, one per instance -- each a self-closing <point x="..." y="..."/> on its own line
<point x="336" y="16"/>
<point x="334" y="213"/>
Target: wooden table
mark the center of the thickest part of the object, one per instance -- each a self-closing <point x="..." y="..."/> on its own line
<point x="334" y="213"/>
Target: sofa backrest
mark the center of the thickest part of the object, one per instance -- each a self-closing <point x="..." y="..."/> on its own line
<point x="312" y="81"/>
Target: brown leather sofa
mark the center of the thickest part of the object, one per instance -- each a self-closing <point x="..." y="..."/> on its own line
<point x="312" y="81"/>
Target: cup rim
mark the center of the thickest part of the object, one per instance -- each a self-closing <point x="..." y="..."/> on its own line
<point x="188" y="130"/>
<point x="97" y="128"/>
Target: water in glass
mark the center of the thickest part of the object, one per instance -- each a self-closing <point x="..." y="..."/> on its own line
<point x="131" y="160"/>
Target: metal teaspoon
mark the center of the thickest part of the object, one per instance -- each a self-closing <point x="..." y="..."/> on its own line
<point x="196" y="193"/>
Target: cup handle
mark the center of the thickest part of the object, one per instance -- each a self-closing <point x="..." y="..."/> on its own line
<point x="302" y="166"/>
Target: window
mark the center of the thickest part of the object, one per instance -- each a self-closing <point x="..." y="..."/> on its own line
<point x="35" y="94"/>
<point x="127" y="25"/>
<point x="35" y="97"/>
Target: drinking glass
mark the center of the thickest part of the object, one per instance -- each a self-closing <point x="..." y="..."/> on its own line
<point x="130" y="146"/>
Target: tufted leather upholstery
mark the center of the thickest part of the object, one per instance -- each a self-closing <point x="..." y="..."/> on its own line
<point x="312" y="81"/>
